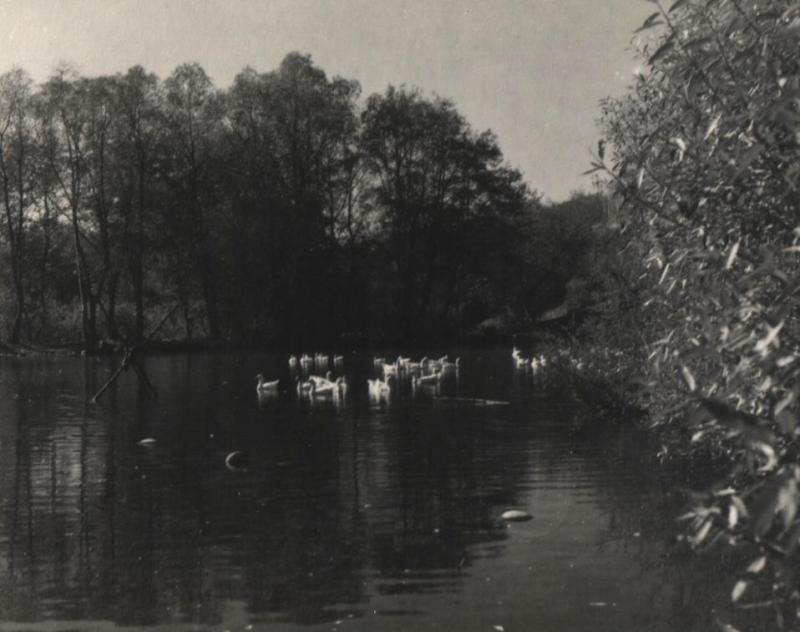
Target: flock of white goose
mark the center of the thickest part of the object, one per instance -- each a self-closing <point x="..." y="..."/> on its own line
<point x="315" y="379"/>
<point x="521" y="362"/>
<point x="425" y="372"/>
<point x="309" y="382"/>
<point x="561" y="358"/>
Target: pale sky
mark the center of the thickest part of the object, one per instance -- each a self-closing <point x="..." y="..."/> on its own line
<point x="531" y="70"/>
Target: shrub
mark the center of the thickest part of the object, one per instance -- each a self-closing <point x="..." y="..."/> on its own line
<point x="704" y="162"/>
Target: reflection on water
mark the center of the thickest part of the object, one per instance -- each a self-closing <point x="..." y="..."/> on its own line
<point x="351" y="512"/>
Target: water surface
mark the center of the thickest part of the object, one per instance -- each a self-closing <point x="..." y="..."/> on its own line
<point x="349" y="515"/>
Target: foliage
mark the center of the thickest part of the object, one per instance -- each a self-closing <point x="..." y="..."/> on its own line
<point x="705" y="169"/>
<point x="281" y="209"/>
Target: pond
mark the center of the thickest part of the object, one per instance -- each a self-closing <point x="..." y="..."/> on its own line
<point x="343" y="514"/>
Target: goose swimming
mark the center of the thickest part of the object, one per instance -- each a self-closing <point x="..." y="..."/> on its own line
<point x="264" y="385"/>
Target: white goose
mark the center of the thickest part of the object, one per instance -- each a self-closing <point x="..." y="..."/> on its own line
<point x="451" y="366"/>
<point x="263" y="385"/>
<point x="379" y="388"/>
<point x="390" y="369"/>
<point x="433" y="378"/>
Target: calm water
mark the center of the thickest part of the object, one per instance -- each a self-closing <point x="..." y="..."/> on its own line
<point x="349" y="516"/>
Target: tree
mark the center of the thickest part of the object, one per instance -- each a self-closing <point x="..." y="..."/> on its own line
<point x="439" y="186"/>
<point x="17" y="154"/>
<point x="66" y="153"/>
<point x="192" y="115"/>
<point x="139" y="126"/>
<point x="293" y="134"/>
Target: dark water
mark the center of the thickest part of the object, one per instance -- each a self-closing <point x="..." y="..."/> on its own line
<point x="348" y="516"/>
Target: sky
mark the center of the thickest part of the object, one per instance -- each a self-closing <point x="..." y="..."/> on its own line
<point x="532" y="71"/>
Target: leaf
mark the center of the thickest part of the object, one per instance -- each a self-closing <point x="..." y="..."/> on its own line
<point x="769" y="453"/>
<point x="733" y="516"/>
<point x="738" y="590"/>
<point x="688" y="378"/>
<point x="701" y="533"/>
<point x="595" y="167"/>
<point x="676" y="5"/>
<point x="737" y="420"/>
<point x="663" y="274"/>
<point x="787" y="501"/>
<point x="732" y="255"/>
<point x="662" y="50"/>
<point x="713" y="126"/>
<point x="700" y="41"/>
<point x="772" y="335"/>
<point x="775" y="497"/>
<point x="651" y="21"/>
<point x="785" y="401"/>
<point x="757" y="565"/>
<point x="740" y="506"/>
<point x="793" y="539"/>
<point x="681" y="144"/>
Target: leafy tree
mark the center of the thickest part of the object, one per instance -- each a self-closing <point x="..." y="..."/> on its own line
<point x="17" y="154"/>
<point x="140" y="127"/>
<point x="193" y="116"/>
<point x="438" y="186"/>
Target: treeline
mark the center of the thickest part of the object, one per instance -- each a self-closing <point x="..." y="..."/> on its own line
<point x="283" y="208"/>
<point x="704" y="166"/>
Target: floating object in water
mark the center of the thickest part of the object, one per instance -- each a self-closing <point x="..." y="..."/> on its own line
<point x="146" y="441"/>
<point x="516" y="515"/>
<point x="474" y="401"/>
<point x="236" y="461"/>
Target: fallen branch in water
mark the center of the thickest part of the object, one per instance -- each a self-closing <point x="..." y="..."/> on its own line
<point x="128" y="360"/>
